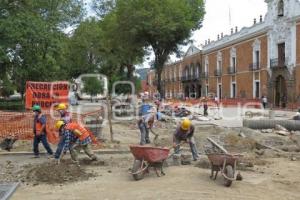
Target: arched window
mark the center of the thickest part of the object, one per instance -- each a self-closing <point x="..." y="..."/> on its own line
<point x="186" y="71"/>
<point x="280" y="8"/>
<point x="192" y="70"/>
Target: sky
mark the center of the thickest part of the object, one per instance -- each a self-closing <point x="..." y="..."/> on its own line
<point x="221" y="16"/>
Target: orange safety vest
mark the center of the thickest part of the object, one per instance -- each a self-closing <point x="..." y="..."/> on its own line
<point x="38" y="126"/>
<point x="81" y="132"/>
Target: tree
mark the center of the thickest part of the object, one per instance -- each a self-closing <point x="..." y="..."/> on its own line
<point x="128" y="52"/>
<point x="163" y="26"/>
<point x="84" y="49"/>
<point x="32" y="39"/>
<point x="92" y="86"/>
<point x="6" y="87"/>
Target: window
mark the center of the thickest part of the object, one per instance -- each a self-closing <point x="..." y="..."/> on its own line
<point x="233" y="90"/>
<point x="280" y="8"/>
<point x="219" y="91"/>
<point x="206" y="92"/>
<point x="234" y="63"/>
<point x="256" y="89"/>
<point x="174" y="74"/>
<point x="219" y="65"/>
<point x="206" y="67"/>
<point x="257" y="59"/>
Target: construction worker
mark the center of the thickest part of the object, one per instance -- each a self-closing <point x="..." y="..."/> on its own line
<point x="64" y="114"/>
<point x="185" y="133"/>
<point x="145" y="123"/>
<point x="74" y="138"/>
<point x="39" y="130"/>
<point x="145" y="107"/>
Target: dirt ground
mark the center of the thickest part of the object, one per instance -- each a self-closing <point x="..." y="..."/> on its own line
<point x="279" y="179"/>
<point x="267" y="174"/>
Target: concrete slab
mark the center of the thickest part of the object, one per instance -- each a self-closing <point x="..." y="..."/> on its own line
<point x="7" y="189"/>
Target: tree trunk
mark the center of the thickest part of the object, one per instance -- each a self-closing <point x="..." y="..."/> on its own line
<point x="109" y="116"/>
<point x="159" y="69"/>
<point x="130" y="69"/>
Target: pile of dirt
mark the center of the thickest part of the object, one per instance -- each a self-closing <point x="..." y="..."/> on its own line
<point x="52" y="173"/>
<point x="235" y="143"/>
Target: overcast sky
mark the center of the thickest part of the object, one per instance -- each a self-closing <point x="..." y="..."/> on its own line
<point x="222" y="15"/>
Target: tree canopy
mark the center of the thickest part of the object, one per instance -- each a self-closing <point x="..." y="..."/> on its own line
<point x="35" y="45"/>
<point x="163" y="26"/>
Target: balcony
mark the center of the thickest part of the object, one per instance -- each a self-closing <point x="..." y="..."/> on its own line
<point x="278" y="63"/>
<point x="231" y="70"/>
<point x="254" y="66"/>
<point x="204" y="75"/>
<point x="218" y="72"/>
<point x="197" y="77"/>
<point x="185" y="78"/>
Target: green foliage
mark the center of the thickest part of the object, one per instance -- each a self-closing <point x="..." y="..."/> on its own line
<point x="32" y="40"/>
<point x="34" y="47"/>
<point x="14" y="105"/>
<point x="84" y="49"/>
<point x="163" y="26"/>
<point x="92" y="86"/>
<point x="6" y="88"/>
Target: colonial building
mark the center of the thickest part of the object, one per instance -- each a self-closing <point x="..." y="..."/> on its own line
<point x="256" y="61"/>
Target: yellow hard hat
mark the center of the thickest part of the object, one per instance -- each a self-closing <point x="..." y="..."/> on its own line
<point x="59" y="124"/>
<point x="61" y="106"/>
<point x="186" y="124"/>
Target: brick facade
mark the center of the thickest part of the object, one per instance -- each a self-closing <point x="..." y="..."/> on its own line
<point x="256" y="61"/>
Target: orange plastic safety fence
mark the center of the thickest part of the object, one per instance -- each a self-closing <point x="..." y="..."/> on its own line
<point x="20" y="126"/>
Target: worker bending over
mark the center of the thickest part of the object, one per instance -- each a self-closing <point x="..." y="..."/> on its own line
<point x="185" y="133"/>
<point x="145" y="123"/>
<point x="74" y="138"/>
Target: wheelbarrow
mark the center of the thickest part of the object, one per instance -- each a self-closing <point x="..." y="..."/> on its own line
<point x="225" y="163"/>
<point x="147" y="157"/>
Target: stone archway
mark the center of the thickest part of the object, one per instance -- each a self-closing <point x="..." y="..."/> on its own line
<point x="199" y="91"/>
<point x="280" y="91"/>
<point x="187" y="91"/>
<point x="193" y="91"/>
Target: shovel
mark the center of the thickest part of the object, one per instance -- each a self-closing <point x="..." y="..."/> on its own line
<point x="155" y="136"/>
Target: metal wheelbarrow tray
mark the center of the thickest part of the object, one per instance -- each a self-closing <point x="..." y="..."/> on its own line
<point x="146" y="157"/>
<point x="224" y="162"/>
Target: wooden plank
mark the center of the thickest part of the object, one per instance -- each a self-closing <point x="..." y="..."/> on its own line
<point x="217" y="145"/>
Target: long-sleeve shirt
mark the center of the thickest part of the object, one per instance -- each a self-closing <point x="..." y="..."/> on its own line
<point x="68" y="139"/>
<point x="66" y="117"/>
<point x="183" y="135"/>
<point x="65" y="142"/>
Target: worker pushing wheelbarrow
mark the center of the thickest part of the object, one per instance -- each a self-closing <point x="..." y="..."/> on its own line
<point x="224" y="162"/>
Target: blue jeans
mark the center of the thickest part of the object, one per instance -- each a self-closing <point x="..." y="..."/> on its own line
<point x="41" y="138"/>
<point x="193" y="147"/>
<point x="144" y="133"/>
<point x="60" y="147"/>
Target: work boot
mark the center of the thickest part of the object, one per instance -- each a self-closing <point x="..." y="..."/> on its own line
<point x="148" y="141"/>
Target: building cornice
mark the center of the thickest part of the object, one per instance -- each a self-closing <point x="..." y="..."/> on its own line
<point x="244" y="34"/>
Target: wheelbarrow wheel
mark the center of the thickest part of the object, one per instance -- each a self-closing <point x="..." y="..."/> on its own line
<point x="229" y="173"/>
<point x="137" y="172"/>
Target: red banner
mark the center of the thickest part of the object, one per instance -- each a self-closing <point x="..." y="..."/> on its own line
<point x="46" y="94"/>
